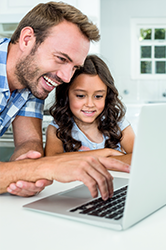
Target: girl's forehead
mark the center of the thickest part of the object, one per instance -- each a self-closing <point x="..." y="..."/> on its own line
<point x="86" y="81"/>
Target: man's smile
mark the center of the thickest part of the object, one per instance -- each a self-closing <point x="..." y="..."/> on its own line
<point x="50" y="82"/>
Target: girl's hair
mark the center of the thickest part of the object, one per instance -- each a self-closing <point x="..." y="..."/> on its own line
<point x="44" y="16"/>
<point x="108" y="120"/>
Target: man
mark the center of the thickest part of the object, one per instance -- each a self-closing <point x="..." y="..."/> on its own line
<point x="49" y="44"/>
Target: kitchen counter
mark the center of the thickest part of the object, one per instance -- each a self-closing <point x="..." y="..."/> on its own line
<point x="24" y="229"/>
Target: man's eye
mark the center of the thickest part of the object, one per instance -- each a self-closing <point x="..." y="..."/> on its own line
<point x="77" y="67"/>
<point x="62" y="59"/>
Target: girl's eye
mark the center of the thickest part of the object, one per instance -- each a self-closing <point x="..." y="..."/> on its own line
<point x="80" y="96"/>
<point x="98" y="96"/>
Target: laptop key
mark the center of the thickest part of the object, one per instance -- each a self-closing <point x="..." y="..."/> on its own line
<point x="110" y="209"/>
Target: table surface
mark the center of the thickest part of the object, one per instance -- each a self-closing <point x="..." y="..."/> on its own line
<point x="28" y="230"/>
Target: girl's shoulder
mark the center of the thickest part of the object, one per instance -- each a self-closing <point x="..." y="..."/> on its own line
<point x="53" y="123"/>
<point x="124" y="123"/>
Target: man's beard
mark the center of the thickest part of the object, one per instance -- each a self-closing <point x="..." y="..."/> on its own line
<point x="26" y="71"/>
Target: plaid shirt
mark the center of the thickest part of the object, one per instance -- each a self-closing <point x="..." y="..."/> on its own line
<point x="21" y="102"/>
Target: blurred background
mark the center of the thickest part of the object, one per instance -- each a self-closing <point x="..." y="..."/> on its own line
<point x="133" y="44"/>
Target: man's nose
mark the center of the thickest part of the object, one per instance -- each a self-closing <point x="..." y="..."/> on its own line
<point x="65" y="73"/>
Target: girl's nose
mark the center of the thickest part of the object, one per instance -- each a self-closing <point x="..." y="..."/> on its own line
<point x="89" y="102"/>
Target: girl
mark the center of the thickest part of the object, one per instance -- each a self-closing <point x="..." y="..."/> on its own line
<point x="88" y="115"/>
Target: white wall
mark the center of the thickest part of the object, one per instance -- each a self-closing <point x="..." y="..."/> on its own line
<point x="13" y="11"/>
<point x="113" y="19"/>
<point x="115" y="46"/>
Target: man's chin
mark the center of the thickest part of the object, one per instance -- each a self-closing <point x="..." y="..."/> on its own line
<point x="41" y="96"/>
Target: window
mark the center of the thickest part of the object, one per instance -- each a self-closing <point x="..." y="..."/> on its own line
<point x="148" y="48"/>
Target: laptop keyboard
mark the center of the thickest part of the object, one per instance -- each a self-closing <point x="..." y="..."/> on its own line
<point x="111" y="209"/>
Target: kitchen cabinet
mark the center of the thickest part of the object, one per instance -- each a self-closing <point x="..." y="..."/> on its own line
<point x="22" y="6"/>
<point x="6" y="153"/>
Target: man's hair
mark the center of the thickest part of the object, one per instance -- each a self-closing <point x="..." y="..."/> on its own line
<point x="44" y="16"/>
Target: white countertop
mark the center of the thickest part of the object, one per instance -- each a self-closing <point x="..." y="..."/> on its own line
<point x="28" y="230"/>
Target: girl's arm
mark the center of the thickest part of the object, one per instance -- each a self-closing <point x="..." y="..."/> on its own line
<point x="54" y="146"/>
<point x="128" y="138"/>
<point x="127" y="144"/>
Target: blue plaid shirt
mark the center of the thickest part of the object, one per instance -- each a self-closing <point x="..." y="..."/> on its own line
<point x="21" y="102"/>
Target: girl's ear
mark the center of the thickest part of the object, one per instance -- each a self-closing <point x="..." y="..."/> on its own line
<point x="27" y="38"/>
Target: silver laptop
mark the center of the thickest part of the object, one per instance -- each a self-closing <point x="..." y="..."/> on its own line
<point x="134" y="199"/>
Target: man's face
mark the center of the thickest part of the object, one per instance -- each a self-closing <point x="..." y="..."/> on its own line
<point x="54" y="61"/>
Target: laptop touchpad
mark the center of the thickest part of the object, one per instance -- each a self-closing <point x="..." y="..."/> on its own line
<point x="83" y="192"/>
<point x="79" y="192"/>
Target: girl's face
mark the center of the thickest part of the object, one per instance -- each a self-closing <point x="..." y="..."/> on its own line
<point x="87" y="96"/>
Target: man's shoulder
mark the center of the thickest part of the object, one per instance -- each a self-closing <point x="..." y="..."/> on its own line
<point x="4" y="40"/>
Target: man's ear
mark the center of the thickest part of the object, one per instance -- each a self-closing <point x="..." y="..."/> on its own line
<point x="27" y="38"/>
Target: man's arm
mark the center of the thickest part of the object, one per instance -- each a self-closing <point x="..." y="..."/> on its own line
<point x="28" y="144"/>
<point x="27" y="132"/>
<point x="92" y="171"/>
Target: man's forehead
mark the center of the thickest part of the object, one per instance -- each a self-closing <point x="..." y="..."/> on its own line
<point x="70" y="42"/>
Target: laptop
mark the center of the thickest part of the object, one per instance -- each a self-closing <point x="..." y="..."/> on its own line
<point x="135" y="198"/>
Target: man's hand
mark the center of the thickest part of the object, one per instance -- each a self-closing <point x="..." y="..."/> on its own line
<point x="90" y="170"/>
<point x="24" y="188"/>
<point x="29" y="155"/>
<point x="115" y="165"/>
